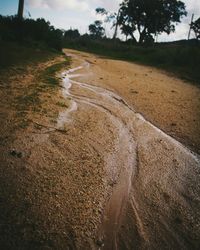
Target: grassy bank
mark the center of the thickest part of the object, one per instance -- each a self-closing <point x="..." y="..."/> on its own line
<point x="34" y="73"/>
<point x="30" y="104"/>
<point x="13" y="54"/>
<point x="181" y="59"/>
<point x="48" y="76"/>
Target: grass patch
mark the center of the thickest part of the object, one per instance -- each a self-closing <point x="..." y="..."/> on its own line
<point x="63" y="104"/>
<point x="48" y="76"/>
<point x="28" y="84"/>
<point x="14" y="54"/>
<point x="30" y="100"/>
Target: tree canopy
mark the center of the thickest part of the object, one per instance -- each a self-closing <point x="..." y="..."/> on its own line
<point x="72" y="34"/>
<point x="111" y="17"/>
<point x="30" y="31"/>
<point x="96" y="29"/>
<point x="150" y="17"/>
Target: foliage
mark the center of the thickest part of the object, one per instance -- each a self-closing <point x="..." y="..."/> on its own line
<point x="101" y="11"/>
<point x="111" y="17"/>
<point x="71" y="34"/>
<point x="150" y="17"/>
<point x="128" y="30"/>
<point x="96" y="29"/>
<point x="195" y="26"/>
<point x="18" y="55"/>
<point x="30" y="31"/>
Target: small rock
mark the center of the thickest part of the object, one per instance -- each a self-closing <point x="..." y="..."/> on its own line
<point x="14" y="153"/>
<point x="19" y="154"/>
<point x="134" y="91"/>
<point x="99" y="211"/>
<point x="178" y="220"/>
<point x="173" y="124"/>
<point x="99" y="243"/>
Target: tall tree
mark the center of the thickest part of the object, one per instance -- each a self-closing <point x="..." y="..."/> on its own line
<point x="96" y="29"/>
<point x="72" y="34"/>
<point x="111" y="17"/>
<point x="195" y="26"/>
<point x="150" y="17"/>
<point x="20" y="9"/>
<point x="116" y="24"/>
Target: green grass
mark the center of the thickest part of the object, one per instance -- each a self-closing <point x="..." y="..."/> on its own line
<point x="182" y="60"/>
<point x="63" y="104"/>
<point x="14" y="60"/>
<point x="48" y="76"/>
<point x="14" y="54"/>
<point x="30" y="98"/>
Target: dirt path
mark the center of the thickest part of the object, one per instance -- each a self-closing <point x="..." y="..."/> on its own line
<point x="153" y="177"/>
<point x="169" y="103"/>
<point x="89" y="172"/>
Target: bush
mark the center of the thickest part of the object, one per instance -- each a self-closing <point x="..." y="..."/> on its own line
<point x="30" y="31"/>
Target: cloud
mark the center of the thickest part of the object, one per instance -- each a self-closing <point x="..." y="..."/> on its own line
<point x="192" y="6"/>
<point x="78" y="5"/>
<point x="87" y="9"/>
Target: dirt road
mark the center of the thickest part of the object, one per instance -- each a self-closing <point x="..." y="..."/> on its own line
<point x="101" y="176"/>
<point x="153" y="177"/>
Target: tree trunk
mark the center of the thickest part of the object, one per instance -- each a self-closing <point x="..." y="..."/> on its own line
<point x="20" y="9"/>
<point x="116" y="25"/>
<point x="142" y="36"/>
<point x="140" y="39"/>
<point x="133" y="38"/>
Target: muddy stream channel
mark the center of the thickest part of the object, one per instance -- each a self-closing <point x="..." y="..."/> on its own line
<point x="154" y="197"/>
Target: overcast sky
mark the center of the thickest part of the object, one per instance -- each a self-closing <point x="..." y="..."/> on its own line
<point x="79" y="14"/>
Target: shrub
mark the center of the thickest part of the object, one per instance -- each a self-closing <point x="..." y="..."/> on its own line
<point x="29" y="31"/>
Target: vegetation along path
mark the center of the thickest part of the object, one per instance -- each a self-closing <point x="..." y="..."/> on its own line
<point x="116" y="167"/>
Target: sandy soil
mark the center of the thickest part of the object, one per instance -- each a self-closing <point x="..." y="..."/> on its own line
<point x="155" y="196"/>
<point x="93" y="173"/>
<point x="170" y="103"/>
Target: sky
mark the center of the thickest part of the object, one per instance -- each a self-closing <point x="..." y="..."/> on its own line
<point x="78" y="14"/>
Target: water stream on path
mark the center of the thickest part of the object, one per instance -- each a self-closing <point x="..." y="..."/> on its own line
<point x="122" y="163"/>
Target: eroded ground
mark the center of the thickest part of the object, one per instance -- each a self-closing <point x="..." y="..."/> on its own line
<point x="81" y="169"/>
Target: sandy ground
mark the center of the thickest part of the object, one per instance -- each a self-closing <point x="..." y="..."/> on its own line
<point x="155" y="197"/>
<point x="168" y="102"/>
<point x="93" y="173"/>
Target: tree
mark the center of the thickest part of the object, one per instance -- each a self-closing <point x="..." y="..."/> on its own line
<point x="110" y="17"/>
<point x="195" y="26"/>
<point x="128" y="31"/>
<point x="20" y="9"/>
<point x="72" y="34"/>
<point x="96" y="29"/>
<point x="150" y="17"/>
